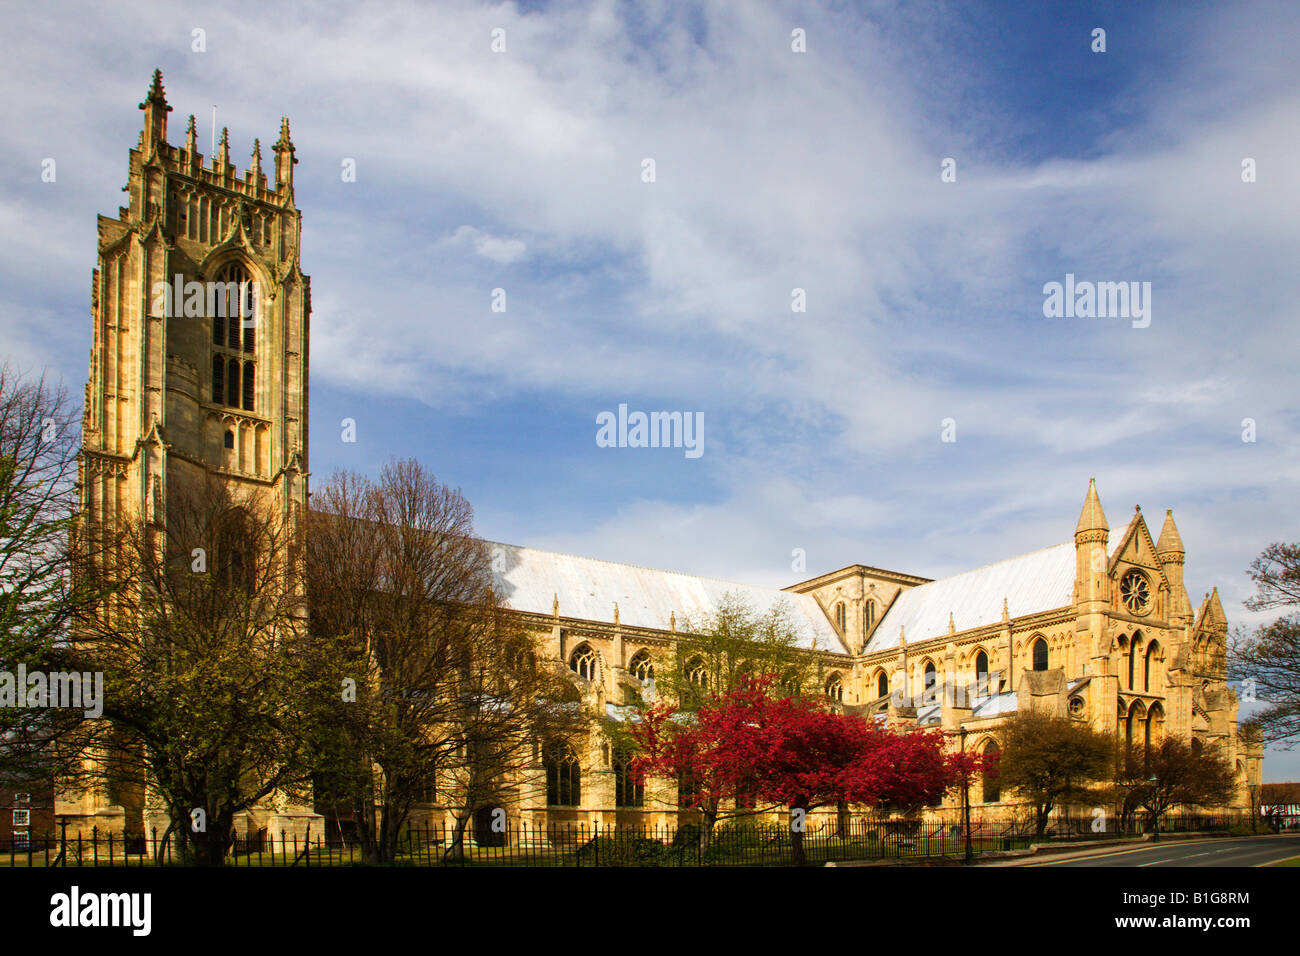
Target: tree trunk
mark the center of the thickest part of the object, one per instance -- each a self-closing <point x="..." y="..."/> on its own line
<point x="456" y="848"/>
<point x="797" y="828"/>
<point x="1041" y="813"/>
<point x="212" y="846"/>
<point x="160" y="851"/>
<point x="842" y="820"/>
<point x="708" y="819"/>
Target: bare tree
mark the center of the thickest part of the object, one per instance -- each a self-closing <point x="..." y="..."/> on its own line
<point x="1267" y="660"/>
<point x="511" y="705"/>
<point x="205" y="660"/>
<point x="39" y="594"/>
<point x="446" y="690"/>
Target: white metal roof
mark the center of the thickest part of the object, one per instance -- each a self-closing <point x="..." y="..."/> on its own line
<point x="1039" y="581"/>
<point x="528" y="579"/>
<point x="996" y="705"/>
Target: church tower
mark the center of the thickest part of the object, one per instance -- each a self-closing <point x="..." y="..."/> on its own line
<point x="198" y="362"/>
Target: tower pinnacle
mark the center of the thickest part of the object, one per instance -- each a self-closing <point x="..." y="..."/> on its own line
<point x="1170" y="542"/>
<point x="1092" y="518"/>
<point x="155" y="115"/>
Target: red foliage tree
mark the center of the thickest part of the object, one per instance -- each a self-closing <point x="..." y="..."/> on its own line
<point x="791" y="752"/>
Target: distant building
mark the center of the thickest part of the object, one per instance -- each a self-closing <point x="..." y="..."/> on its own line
<point x="1279" y="805"/>
<point x="26" y="813"/>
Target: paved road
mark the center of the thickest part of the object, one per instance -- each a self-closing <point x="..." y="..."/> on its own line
<point x="1243" y="851"/>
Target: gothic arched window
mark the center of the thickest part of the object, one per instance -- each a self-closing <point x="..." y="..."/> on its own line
<point x="1040" y="655"/>
<point x="642" y="667"/>
<point x="868" y="616"/>
<point x="835" y="688"/>
<point x="563" y="776"/>
<point x="981" y="674"/>
<point x="236" y="569"/>
<point x="1146" y="666"/>
<point x="882" y="684"/>
<point x="583" y="662"/>
<point x="931" y="679"/>
<point x="233" y="304"/>
<point x="839" y="615"/>
<point x="628" y="791"/>
<point x="991" y="789"/>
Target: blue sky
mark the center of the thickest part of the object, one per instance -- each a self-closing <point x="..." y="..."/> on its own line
<point x="774" y="171"/>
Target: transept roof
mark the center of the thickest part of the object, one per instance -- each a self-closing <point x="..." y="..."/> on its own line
<point x="1039" y="581"/>
<point x="530" y="580"/>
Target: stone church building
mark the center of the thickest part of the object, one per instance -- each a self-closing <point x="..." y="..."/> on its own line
<point x="1097" y="627"/>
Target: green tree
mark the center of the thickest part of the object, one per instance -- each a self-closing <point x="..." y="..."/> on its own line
<point x="1052" y="761"/>
<point x="1173" y="773"/>
<point x="734" y="640"/>
<point x="207" y="667"/>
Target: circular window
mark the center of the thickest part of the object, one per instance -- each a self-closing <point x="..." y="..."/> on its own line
<point x="1135" y="591"/>
<point x="1076" y="706"/>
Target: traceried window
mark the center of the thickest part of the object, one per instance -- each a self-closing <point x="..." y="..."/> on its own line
<point x="642" y="667"/>
<point x="1135" y="591"/>
<point x="835" y="688"/>
<point x="991" y="789"/>
<point x="1040" y="655"/>
<point x="695" y="682"/>
<point x="583" y="662"/>
<point x="563" y="776"/>
<point x="235" y="568"/>
<point x="931" y="680"/>
<point x="234" y="338"/>
<point x="628" y="791"/>
<point x="1152" y="649"/>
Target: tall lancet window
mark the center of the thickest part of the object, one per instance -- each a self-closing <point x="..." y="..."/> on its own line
<point x="232" y="305"/>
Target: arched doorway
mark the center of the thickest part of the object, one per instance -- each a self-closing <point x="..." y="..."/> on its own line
<point x="490" y="825"/>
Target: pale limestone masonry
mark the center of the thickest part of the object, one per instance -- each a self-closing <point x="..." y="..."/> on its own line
<point x="152" y="409"/>
<point x="1092" y="629"/>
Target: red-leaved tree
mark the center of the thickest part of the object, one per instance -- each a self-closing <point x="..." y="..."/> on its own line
<point x="750" y="746"/>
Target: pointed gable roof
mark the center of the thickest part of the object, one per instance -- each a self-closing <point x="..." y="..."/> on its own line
<point x="1211" y="615"/>
<point x="1137" y="543"/>
<point x="1029" y="584"/>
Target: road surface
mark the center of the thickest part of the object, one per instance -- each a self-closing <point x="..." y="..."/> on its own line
<point x="1234" y="851"/>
